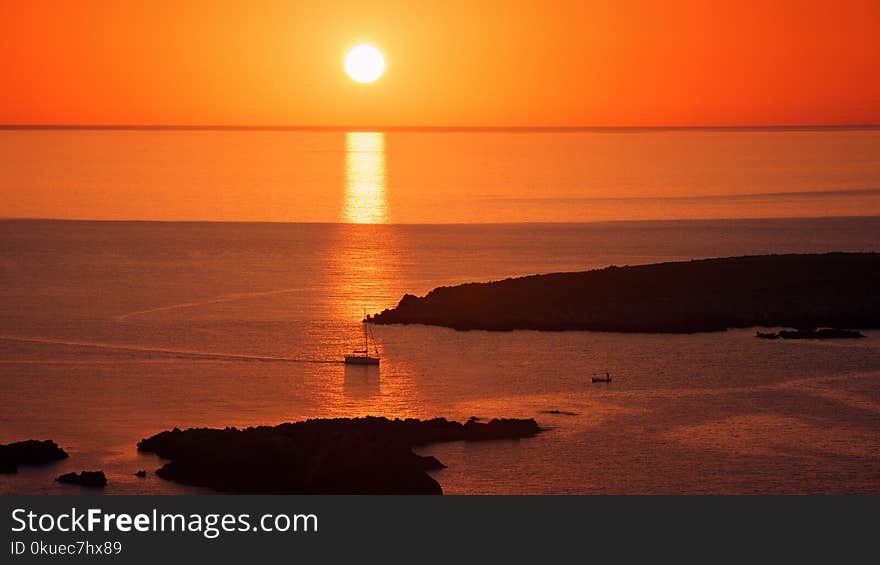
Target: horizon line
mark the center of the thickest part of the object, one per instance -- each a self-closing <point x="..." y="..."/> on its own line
<point x="434" y="224"/>
<point x="217" y="127"/>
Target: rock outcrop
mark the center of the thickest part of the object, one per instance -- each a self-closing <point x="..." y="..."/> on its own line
<point x="323" y="456"/>
<point x="28" y="452"/>
<point x="84" y="479"/>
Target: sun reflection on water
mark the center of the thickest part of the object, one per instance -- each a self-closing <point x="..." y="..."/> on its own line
<point x="364" y="278"/>
<point x="365" y="201"/>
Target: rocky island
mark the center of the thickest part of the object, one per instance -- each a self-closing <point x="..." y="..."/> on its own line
<point x="322" y="456"/>
<point x="84" y="479"/>
<point x="837" y="290"/>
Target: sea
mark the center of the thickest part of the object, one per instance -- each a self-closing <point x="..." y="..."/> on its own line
<point x="152" y="279"/>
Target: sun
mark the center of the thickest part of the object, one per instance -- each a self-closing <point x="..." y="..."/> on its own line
<point x="364" y="63"/>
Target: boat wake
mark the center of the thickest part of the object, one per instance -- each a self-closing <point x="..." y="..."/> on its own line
<point x="180" y="353"/>
<point x="216" y="300"/>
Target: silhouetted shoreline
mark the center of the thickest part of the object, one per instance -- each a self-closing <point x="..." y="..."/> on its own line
<point x="801" y="291"/>
<point x="29" y="452"/>
<point x="323" y="456"/>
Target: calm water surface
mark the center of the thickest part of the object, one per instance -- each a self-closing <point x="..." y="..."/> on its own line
<point x="115" y="331"/>
<point x="430" y="177"/>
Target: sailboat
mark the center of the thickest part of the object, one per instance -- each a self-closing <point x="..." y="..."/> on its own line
<point x="362" y="356"/>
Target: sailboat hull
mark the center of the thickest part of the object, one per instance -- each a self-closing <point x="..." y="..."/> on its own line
<point x="361" y="360"/>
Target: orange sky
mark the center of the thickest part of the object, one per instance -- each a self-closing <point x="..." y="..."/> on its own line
<point x="449" y="63"/>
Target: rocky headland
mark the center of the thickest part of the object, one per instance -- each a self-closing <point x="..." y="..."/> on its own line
<point x="836" y="290"/>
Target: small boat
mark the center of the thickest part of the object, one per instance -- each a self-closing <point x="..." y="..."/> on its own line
<point x="605" y="379"/>
<point x="813" y="333"/>
<point x="362" y="356"/>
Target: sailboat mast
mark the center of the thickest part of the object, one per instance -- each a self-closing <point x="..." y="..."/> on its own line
<point x="375" y="346"/>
